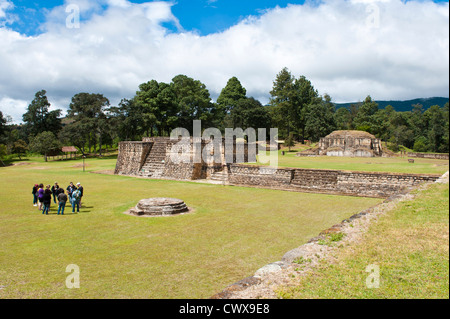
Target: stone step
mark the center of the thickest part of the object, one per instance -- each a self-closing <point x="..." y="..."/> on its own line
<point x="219" y="176"/>
<point x="154" y="164"/>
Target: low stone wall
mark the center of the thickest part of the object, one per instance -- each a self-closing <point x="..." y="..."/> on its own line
<point x="368" y="184"/>
<point x="131" y="157"/>
<point x="249" y="175"/>
<point x="429" y="155"/>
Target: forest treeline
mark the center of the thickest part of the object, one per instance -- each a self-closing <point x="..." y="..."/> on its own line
<point x="296" y="108"/>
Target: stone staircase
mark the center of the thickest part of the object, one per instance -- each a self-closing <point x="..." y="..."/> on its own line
<point x="220" y="177"/>
<point x="155" y="162"/>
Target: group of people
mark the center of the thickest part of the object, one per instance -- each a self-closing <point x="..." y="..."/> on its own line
<point x="42" y="197"/>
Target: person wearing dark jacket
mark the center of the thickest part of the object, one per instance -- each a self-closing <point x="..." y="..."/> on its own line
<point x="70" y="190"/>
<point x="55" y="191"/>
<point x="35" y="194"/>
<point x="46" y="200"/>
<point x="80" y="188"/>
<point x="62" y="200"/>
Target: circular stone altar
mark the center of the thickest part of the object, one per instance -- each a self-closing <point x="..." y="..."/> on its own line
<point x="159" y="207"/>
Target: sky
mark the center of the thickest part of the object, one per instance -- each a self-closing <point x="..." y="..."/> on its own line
<point x="348" y="49"/>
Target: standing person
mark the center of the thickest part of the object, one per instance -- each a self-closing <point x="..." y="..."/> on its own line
<point x="70" y="190"/>
<point x="35" y="194"/>
<point x="55" y="189"/>
<point x="80" y="188"/>
<point x="47" y="199"/>
<point x="40" y="195"/>
<point x="62" y="200"/>
<point x="76" y="200"/>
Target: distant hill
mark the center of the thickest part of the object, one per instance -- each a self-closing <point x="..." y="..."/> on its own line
<point x="404" y="106"/>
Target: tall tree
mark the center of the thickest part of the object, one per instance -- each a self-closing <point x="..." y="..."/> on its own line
<point x="193" y="101"/>
<point x="39" y="119"/>
<point x="127" y="120"/>
<point x="290" y="98"/>
<point x="87" y="110"/>
<point x="305" y="95"/>
<point x="343" y="118"/>
<point x="320" y="119"/>
<point x="2" y="124"/>
<point x="282" y="101"/>
<point x="366" y="110"/>
<point x="231" y="94"/>
<point x="436" y="128"/>
<point x="158" y="105"/>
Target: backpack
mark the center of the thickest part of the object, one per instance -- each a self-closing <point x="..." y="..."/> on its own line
<point x="76" y="195"/>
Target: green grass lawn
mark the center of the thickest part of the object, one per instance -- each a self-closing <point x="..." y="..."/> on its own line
<point x="376" y="164"/>
<point x="410" y="245"/>
<point x="232" y="232"/>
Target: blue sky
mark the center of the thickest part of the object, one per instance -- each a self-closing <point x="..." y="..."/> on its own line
<point x="203" y="16"/>
<point x="389" y="49"/>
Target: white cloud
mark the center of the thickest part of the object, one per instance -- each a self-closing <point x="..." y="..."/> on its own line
<point x="334" y="44"/>
<point x="5" y="18"/>
<point x="4" y="5"/>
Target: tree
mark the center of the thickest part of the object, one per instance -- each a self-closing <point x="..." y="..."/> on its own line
<point x="366" y="110"/>
<point x="320" y="119"/>
<point x="250" y="113"/>
<point x="283" y="110"/>
<point x="342" y="118"/>
<point x="87" y="111"/>
<point x="20" y="148"/>
<point x="127" y="120"/>
<point x="304" y="96"/>
<point x="39" y="119"/>
<point x="290" y="98"/>
<point x="290" y="141"/>
<point x="74" y="134"/>
<point x="2" y="124"/>
<point x="193" y="101"/>
<point x="380" y="124"/>
<point x="44" y="143"/>
<point x="3" y="153"/>
<point x="159" y="109"/>
<point x="420" y="144"/>
<point x="436" y="128"/>
<point x="230" y="95"/>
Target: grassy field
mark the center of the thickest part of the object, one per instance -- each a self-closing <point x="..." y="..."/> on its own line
<point x="376" y="164"/>
<point x="232" y="232"/>
<point x="410" y="245"/>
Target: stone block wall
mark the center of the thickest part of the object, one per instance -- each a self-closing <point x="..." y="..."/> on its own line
<point x="368" y="184"/>
<point x="429" y="155"/>
<point x="249" y="175"/>
<point x="132" y="157"/>
<point x="378" y="184"/>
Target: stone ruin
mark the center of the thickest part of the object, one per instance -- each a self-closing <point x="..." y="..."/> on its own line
<point x="159" y="207"/>
<point x="152" y="158"/>
<point x="347" y="144"/>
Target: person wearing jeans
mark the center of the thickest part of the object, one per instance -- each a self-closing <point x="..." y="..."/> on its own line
<point x="62" y="200"/>
<point x="46" y="200"/>
<point x="76" y="201"/>
<point x="35" y="194"/>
